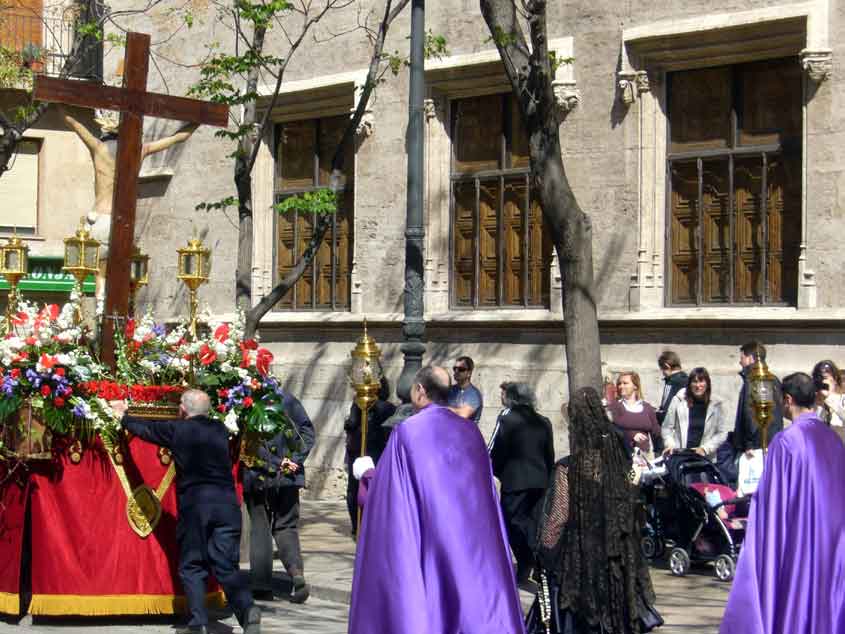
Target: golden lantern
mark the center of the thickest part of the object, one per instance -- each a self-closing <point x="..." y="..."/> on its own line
<point x="82" y="258"/>
<point x="139" y="266"/>
<point x="762" y="391"/>
<point x="14" y="264"/>
<point x="194" y="268"/>
<point x="365" y="376"/>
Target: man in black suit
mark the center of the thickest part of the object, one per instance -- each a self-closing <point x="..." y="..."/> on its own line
<point x="523" y="456"/>
<point x="271" y="495"/>
<point x="209" y="528"/>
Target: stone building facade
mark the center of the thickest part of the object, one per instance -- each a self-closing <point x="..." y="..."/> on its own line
<point x="703" y="138"/>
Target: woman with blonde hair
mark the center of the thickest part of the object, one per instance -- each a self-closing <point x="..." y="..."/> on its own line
<point x="634" y="417"/>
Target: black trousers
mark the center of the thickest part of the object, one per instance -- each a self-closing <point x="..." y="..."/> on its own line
<point x="519" y="511"/>
<point x="209" y="537"/>
<point x="273" y="514"/>
<point x="351" y="494"/>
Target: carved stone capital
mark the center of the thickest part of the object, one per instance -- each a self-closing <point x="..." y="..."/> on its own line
<point x="365" y="125"/>
<point x="567" y="95"/>
<point x="643" y="84"/>
<point x="626" y="86"/>
<point x="817" y="64"/>
<point x="434" y="107"/>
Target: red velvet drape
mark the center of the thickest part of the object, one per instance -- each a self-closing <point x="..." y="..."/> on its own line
<point x="13" y="495"/>
<point x="86" y="559"/>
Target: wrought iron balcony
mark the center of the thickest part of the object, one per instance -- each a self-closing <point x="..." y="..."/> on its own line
<point x="45" y="43"/>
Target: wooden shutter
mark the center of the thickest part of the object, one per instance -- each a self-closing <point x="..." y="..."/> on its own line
<point x="295" y="155"/>
<point x="515" y="239"/>
<point x="684" y="232"/>
<point x="21" y="24"/>
<point x="477" y="133"/>
<point x="518" y="139"/>
<point x="749" y="229"/>
<point x="331" y="133"/>
<point x="716" y="245"/>
<point x="783" y="208"/>
<point x="488" y="247"/>
<point x="463" y="243"/>
<point x="770" y="110"/>
<point x="286" y="253"/>
<point x="700" y="109"/>
<point x="19" y="189"/>
<point x="539" y="258"/>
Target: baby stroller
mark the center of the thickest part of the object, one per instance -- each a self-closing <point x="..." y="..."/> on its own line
<point x="693" y="515"/>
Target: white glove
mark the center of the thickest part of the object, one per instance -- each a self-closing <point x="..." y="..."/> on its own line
<point x="361" y="466"/>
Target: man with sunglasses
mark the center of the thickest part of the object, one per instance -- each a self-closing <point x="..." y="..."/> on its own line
<point x="464" y="398"/>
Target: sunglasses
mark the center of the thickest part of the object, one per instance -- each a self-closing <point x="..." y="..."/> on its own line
<point x="459" y="368"/>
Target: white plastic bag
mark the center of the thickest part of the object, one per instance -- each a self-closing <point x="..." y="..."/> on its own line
<point x="750" y="472"/>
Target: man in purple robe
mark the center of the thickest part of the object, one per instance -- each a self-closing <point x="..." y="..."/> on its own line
<point x="791" y="573"/>
<point x="433" y="554"/>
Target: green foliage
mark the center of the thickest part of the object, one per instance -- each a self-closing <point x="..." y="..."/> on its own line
<point x="58" y="420"/>
<point x="435" y="46"/>
<point x="501" y="38"/>
<point x="262" y="13"/>
<point x="225" y="203"/>
<point x="217" y="77"/>
<point x="8" y="406"/>
<point x="320" y="201"/>
<point x="13" y="72"/>
<point x="556" y="62"/>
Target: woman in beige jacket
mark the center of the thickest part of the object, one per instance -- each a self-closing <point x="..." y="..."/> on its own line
<point x="695" y="418"/>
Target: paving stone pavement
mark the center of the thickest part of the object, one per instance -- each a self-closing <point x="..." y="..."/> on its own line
<point x="690" y="604"/>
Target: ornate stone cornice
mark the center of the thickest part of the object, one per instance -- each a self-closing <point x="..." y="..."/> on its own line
<point x="434" y="107"/>
<point x="567" y="95"/>
<point x="817" y="64"/>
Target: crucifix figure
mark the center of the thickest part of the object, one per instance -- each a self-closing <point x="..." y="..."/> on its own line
<point x="133" y="102"/>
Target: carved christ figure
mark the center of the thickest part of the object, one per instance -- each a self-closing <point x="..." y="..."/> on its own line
<point x="103" y="152"/>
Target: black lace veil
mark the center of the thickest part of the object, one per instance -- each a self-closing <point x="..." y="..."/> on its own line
<point x="590" y="525"/>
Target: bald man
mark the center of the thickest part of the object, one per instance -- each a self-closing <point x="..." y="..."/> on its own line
<point x="432" y="553"/>
<point x="209" y="529"/>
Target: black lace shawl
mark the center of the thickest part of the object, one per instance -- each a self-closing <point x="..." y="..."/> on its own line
<point x="590" y="525"/>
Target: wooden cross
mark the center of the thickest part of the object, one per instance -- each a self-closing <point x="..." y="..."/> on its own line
<point x="133" y="101"/>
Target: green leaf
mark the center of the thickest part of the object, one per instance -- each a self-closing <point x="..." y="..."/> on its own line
<point x="320" y="201"/>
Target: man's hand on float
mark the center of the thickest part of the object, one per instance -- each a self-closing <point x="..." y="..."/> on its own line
<point x="289" y="466"/>
<point x="700" y="451"/>
<point x="119" y="407"/>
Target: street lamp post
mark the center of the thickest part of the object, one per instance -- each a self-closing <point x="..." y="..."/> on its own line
<point x="413" y="326"/>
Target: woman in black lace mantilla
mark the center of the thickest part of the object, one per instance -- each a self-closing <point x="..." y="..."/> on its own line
<point x="594" y="579"/>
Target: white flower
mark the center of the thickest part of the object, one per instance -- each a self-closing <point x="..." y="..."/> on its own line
<point x="65" y="359"/>
<point x="231" y="421"/>
<point x="243" y="373"/>
<point x="226" y="366"/>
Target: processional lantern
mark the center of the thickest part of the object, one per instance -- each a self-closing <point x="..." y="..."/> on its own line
<point x="139" y="267"/>
<point x="194" y="268"/>
<point x="82" y="258"/>
<point x="14" y="260"/>
<point x="365" y="376"/>
<point x="762" y="388"/>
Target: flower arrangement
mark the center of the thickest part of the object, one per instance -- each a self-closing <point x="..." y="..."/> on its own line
<point x="235" y="371"/>
<point x="147" y="354"/>
<point x="43" y="360"/>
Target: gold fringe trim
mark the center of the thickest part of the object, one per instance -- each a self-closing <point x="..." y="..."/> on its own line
<point x="111" y="605"/>
<point x="10" y="603"/>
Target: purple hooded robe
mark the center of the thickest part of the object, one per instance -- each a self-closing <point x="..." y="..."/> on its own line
<point x="791" y="572"/>
<point x="432" y="554"/>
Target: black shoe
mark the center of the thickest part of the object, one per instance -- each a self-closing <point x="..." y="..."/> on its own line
<point x="263" y="595"/>
<point x="301" y="590"/>
<point x="193" y="629"/>
<point x="252" y="620"/>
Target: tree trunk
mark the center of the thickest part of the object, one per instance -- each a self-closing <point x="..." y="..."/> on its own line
<point x="530" y="73"/>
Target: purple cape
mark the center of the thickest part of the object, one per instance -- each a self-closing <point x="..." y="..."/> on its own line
<point x="432" y="555"/>
<point x="791" y="572"/>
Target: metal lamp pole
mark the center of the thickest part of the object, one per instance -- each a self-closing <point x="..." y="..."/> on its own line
<point x="413" y="326"/>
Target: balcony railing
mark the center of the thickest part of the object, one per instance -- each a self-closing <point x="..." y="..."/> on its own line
<point x="53" y="37"/>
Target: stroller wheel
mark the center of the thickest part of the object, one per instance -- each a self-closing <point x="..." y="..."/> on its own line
<point x="651" y="547"/>
<point x="679" y="562"/>
<point x="725" y="567"/>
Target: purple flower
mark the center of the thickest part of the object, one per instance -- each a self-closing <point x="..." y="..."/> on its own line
<point x="9" y="386"/>
<point x="160" y="330"/>
<point x="34" y="378"/>
<point x="79" y="410"/>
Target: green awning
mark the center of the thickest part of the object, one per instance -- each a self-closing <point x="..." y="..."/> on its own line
<point x="46" y="276"/>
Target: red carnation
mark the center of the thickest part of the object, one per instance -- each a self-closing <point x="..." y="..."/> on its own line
<point x="129" y="331"/>
<point x="207" y="355"/>
<point x="221" y="408"/>
<point x="15" y="373"/>
<point x="250" y="344"/>
<point x="45" y="390"/>
<point x="263" y="360"/>
<point x="59" y="371"/>
<point x="30" y="341"/>
<point x="52" y="310"/>
<point x="247" y="401"/>
<point x="59" y="401"/>
<point x="20" y="318"/>
<point x="67" y="391"/>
